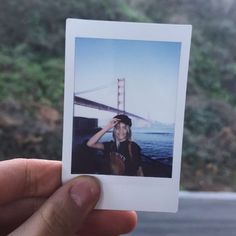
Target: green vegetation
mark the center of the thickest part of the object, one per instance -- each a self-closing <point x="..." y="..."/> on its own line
<point x="26" y="79"/>
<point x="32" y="72"/>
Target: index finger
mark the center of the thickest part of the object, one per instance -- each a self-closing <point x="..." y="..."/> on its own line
<point x="28" y="178"/>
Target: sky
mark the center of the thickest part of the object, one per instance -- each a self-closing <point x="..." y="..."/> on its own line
<point x="150" y="69"/>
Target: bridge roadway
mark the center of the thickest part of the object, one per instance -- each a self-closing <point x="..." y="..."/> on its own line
<point x="200" y="214"/>
<point x="88" y="103"/>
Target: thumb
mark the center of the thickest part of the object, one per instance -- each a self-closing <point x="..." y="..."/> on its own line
<point x="65" y="211"/>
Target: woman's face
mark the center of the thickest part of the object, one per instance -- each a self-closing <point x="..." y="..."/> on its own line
<point x="121" y="132"/>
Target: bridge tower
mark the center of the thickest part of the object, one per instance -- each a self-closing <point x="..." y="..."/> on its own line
<point x="121" y="95"/>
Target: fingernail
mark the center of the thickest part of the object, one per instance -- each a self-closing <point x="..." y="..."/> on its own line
<point x="85" y="191"/>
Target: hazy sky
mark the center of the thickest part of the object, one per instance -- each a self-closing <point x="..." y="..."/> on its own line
<point x="150" y="69"/>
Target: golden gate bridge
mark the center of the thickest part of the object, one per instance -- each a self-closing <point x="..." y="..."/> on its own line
<point x="83" y="128"/>
<point x="120" y="109"/>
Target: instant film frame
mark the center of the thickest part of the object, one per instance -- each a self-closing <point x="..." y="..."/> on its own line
<point x="128" y="192"/>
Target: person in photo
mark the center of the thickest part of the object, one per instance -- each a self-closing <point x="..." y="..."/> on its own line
<point x="122" y="154"/>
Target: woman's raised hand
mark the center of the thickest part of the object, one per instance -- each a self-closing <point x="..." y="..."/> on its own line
<point x="112" y="123"/>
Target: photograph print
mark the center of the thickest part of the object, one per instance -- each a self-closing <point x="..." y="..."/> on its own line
<point x="125" y="98"/>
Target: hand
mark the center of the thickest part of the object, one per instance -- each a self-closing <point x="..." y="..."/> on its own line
<point x="33" y="202"/>
<point x="112" y="123"/>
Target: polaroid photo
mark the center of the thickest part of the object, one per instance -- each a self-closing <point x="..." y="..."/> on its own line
<point x="125" y="88"/>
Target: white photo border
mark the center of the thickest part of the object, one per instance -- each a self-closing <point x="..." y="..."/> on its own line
<point x="124" y="192"/>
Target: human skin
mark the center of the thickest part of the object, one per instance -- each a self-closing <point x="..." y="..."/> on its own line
<point x="121" y="132"/>
<point x="34" y="202"/>
<point x="93" y="142"/>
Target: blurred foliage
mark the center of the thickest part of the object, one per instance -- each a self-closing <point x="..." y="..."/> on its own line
<point x="27" y="80"/>
<point x="31" y="78"/>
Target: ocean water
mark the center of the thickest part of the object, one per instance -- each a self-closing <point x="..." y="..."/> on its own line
<point x="155" y="145"/>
